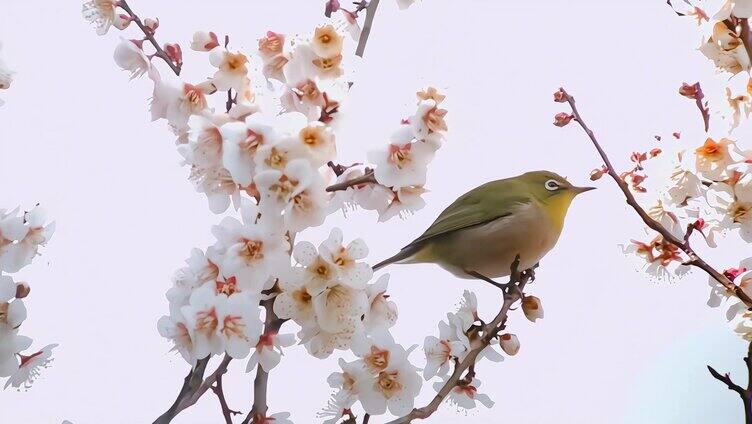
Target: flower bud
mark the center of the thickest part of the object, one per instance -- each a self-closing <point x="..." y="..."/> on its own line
<point x="655" y="152"/>
<point x="22" y="289"/>
<point x="121" y="21"/>
<point x="732" y="273"/>
<point x="509" y="344"/>
<point x="689" y="91"/>
<point x="175" y="53"/>
<point x="560" y="96"/>
<point x="562" y="119"/>
<point x="204" y="41"/>
<point x="151" y="24"/>
<point x="597" y="173"/>
<point x="532" y="308"/>
<point x="677" y="135"/>
<point x="331" y="7"/>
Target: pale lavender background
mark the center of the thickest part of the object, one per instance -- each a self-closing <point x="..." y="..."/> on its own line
<point x="613" y="347"/>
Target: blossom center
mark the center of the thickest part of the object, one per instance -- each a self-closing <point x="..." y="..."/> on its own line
<point x="378" y="359"/>
<point x="388" y="383"/>
<point x="206" y="321"/>
<point x="400" y="156"/>
<point x="252" y="250"/>
<point x="234" y="327"/>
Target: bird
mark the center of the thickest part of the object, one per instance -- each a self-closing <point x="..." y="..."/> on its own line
<point x="496" y="227"/>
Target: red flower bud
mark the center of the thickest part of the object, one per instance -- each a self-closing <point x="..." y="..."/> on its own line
<point x="562" y="119"/>
<point x="560" y="96"/>
<point x="690" y="91"/>
<point x="22" y="289"/>
<point x="175" y="53"/>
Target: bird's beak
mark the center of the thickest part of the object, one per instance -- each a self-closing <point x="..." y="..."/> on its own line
<point x="579" y="190"/>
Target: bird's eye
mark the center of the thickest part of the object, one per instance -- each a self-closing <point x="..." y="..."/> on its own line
<point x="551" y="185"/>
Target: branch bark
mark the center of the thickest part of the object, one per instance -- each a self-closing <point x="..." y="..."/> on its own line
<point x="150" y="37"/>
<point x="191" y="391"/>
<point x="218" y="390"/>
<point x="490" y="331"/>
<point x="367" y="178"/>
<point x="366" y="31"/>
<point x="694" y="259"/>
<point x="744" y="394"/>
<point x="260" y="405"/>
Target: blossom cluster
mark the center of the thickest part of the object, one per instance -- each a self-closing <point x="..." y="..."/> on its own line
<point x="6" y="76"/>
<point x="21" y="235"/>
<point x="270" y="154"/>
<point x="702" y="187"/>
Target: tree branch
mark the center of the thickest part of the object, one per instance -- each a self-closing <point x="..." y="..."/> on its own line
<point x="370" y="14"/>
<point x="511" y="295"/>
<point x="260" y="405"/>
<point x="149" y="35"/>
<point x="192" y="391"/>
<point x="367" y="178"/>
<point x="694" y="259"/>
<point x="190" y="384"/>
<point x="227" y="413"/>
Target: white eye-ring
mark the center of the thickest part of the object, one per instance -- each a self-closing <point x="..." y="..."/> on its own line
<point x="551" y="185"/>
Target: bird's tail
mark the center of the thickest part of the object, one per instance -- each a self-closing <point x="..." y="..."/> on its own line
<point x="403" y="256"/>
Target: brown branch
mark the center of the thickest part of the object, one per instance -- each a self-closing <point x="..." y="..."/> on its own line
<point x="746" y="395"/>
<point x="511" y="295"/>
<point x="260" y="405"/>
<point x="367" y="178"/>
<point x="191" y="393"/>
<point x="694" y="259"/>
<point x="227" y="413"/>
<point x="744" y="34"/>
<point x="149" y="35"/>
<point x="370" y="14"/>
<point x="191" y="383"/>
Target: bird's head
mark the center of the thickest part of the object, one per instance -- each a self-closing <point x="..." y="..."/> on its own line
<point x="552" y="189"/>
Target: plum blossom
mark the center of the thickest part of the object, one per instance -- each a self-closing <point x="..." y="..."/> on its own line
<point x="382" y="312"/>
<point x="204" y="41"/>
<point x="726" y="50"/>
<point x="100" y="13"/>
<point x="29" y="368"/>
<point x="268" y="352"/>
<point x="394" y="382"/>
<point x="327" y="42"/>
<point x="466" y="395"/>
<point x="733" y="204"/>
<point x="130" y="56"/>
<point x="403" y="163"/>
<point x="175" y="328"/>
<point x="440" y="351"/>
<point x="232" y="71"/>
<point x="6" y="76"/>
<point x="714" y="157"/>
<point x="406" y="201"/>
<point x="10" y="344"/>
<point x="253" y="250"/>
<point x="298" y="192"/>
<point x="20" y="238"/>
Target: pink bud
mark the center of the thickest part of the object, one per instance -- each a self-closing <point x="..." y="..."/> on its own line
<point x="597" y="173"/>
<point x="562" y="119"/>
<point x="732" y="273"/>
<point x="175" y="53"/>
<point x="532" y="308"/>
<point x="655" y="152"/>
<point x="204" y="41"/>
<point x="699" y="224"/>
<point x="690" y="91"/>
<point x="151" y="24"/>
<point x="121" y="21"/>
<point x="560" y="96"/>
<point x="22" y="289"/>
<point x="509" y="344"/>
<point x="677" y="135"/>
<point x="331" y="7"/>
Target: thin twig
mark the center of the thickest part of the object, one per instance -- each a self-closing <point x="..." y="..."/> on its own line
<point x="190" y="384"/>
<point x="694" y="259"/>
<point x="745" y="35"/>
<point x="367" y="178"/>
<point x="370" y="14"/>
<point x="260" y="405"/>
<point x="227" y="413"/>
<point x="490" y="331"/>
<point x="149" y="35"/>
<point x="366" y="418"/>
<point x="746" y="395"/>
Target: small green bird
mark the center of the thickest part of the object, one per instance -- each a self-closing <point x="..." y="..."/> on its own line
<point x="483" y="231"/>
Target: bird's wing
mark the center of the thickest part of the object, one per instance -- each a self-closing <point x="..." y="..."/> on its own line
<point x="476" y="207"/>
